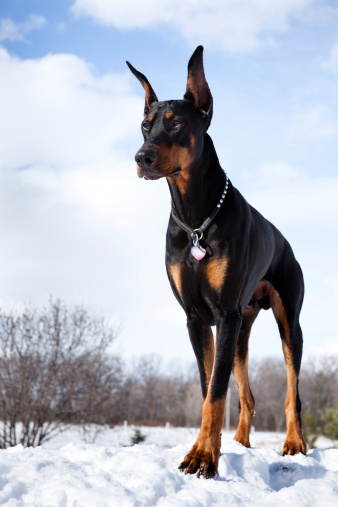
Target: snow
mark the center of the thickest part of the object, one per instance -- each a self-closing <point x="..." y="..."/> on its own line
<point x="107" y="473"/>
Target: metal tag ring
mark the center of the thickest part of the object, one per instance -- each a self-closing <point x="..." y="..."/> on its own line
<point x="197" y="231"/>
<point x="195" y="240"/>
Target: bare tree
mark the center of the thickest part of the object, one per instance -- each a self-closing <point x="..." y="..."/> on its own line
<point x="193" y="404"/>
<point x="268" y="384"/>
<point x="54" y="368"/>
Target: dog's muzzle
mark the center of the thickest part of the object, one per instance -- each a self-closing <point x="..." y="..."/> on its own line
<point x="145" y="159"/>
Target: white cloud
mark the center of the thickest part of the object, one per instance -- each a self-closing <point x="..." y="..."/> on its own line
<point x="10" y="30"/>
<point x="290" y="196"/>
<point x="62" y="133"/>
<point x="61" y="27"/>
<point x="305" y="209"/>
<point x="60" y="113"/>
<point x="235" y="25"/>
<point x="332" y="282"/>
<point x="331" y="63"/>
<point x="74" y="216"/>
<point x="317" y="122"/>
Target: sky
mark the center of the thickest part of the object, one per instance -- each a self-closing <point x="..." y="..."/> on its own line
<point x="77" y="222"/>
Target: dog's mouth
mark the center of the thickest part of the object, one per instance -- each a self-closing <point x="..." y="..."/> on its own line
<point x="153" y="174"/>
<point x="151" y="177"/>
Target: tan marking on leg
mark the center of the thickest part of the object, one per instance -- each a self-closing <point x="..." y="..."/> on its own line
<point x="294" y="442"/>
<point x="240" y="371"/>
<point x="209" y="355"/>
<point x="175" y="273"/>
<point x="247" y="404"/>
<point x="204" y="454"/>
<point x="216" y="271"/>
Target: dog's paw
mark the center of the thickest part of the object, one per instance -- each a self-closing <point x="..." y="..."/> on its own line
<point x="242" y="438"/>
<point x="294" y="445"/>
<point x="202" y="459"/>
<point x="203" y="466"/>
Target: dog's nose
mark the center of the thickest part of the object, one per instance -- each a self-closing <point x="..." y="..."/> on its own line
<point x="145" y="158"/>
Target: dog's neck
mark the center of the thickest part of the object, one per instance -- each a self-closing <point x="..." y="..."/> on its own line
<point x="203" y="190"/>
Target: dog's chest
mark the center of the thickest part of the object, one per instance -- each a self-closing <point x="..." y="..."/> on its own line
<point x="196" y="283"/>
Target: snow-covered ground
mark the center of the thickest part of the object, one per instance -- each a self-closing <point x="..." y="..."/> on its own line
<point x="69" y="472"/>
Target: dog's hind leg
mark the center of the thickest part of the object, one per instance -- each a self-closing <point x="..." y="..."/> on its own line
<point x="294" y="442"/>
<point x="240" y="371"/>
<point x="286" y="297"/>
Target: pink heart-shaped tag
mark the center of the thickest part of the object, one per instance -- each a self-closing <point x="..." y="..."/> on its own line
<point x="198" y="252"/>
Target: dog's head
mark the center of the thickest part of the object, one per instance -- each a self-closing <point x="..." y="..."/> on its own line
<point x="174" y="130"/>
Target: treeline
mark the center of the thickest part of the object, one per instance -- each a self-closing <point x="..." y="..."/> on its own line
<point x="153" y="394"/>
<point x="57" y="366"/>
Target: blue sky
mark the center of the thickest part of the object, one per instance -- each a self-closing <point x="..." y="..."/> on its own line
<point x="77" y="222"/>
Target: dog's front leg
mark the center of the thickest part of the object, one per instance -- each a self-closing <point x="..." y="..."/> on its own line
<point x="202" y="341"/>
<point x="204" y="455"/>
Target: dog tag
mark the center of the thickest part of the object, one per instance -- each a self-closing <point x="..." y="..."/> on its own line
<point x="198" y="252"/>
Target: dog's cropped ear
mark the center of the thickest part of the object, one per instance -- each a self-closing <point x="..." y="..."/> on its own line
<point x="198" y="91"/>
<point x="150" y="94"/>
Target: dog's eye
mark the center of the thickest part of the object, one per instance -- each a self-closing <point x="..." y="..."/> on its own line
<point x="176" y="124"/>
<point x="145" y="126"/>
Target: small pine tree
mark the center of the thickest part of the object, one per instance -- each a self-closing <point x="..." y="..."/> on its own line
<point x="138" y="437"/>
<point x="310" y="433"/>
<point x="329" y="417"/>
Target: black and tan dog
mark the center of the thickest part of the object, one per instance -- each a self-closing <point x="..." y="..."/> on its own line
<point x="225" y="262"/>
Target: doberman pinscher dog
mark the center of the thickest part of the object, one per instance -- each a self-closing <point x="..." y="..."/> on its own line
<point x="225" y="262"/>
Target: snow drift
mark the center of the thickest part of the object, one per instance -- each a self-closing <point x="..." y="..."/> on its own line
<point x="79" y="474"/>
